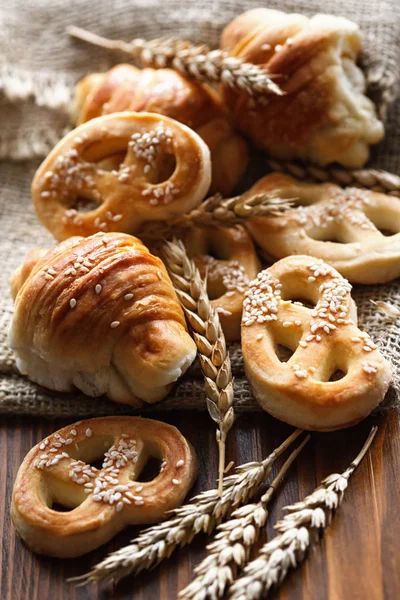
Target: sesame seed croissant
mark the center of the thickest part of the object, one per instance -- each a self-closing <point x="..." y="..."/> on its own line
<point x="324" y="115"/>
<point x="99" y="314"/>
<point x="166" y="92"/>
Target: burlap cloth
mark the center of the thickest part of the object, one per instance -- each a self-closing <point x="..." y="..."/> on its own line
<point x="39" y="65"/>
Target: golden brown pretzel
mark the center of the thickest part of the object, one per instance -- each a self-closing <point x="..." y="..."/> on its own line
<point x="324" y="116"/>
<point x="133" y="167"/>
<point x="324" y="339"/>
<point x="229" y="259"/>
<point x="103" y="501"/>
<point x="341" y="226"/>
<point x="164" y="91"/>
<point x="100" y="314"/>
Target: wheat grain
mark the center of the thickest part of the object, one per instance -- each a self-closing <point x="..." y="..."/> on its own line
<point x="295" y="533"/>
<point x="202" y="514"/>
<point x="207" y="332"/>
<point x="376" y="180"/>
<point x="218" y="212"/>
<point x="233" y="543"/>
<point x="197" y="62"/>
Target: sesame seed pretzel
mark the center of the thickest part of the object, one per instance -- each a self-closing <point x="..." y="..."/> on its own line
<point x="340" y="226"/>
<point x="101" y="501"/>
<point x="324" y="340"/>
<point x="118" y="171"/>
<point x="228" y="275"/>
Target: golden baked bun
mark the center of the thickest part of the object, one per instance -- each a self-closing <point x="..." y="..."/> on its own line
<point x="99" y="314"/>
<point x="100" y="502"/>
<point x="228" y="258"/>
<point x="324" y="116"/>
<point x="357" y="231"/>
<point x="335" y="375"/>
<point x="164" y="91"/>
<point x="119" y="171"/>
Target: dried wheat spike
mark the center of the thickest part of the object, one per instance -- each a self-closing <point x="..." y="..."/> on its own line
<point x="204" y="323"/>
<point x="373" y="179"/>
<point x="218" y="212"/>
<point x="197" y="62"/>
<point x="233" y="543"/>
<point x="304" y="521"/>
<point x="202" y="514"/>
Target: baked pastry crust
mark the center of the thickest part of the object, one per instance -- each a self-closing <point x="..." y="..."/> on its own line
<point x="324" y="339"/>
<point x="103" y="501"/>
<point x="166" y="92"/>
<point x="340" y="226"/>
<point x="118" y="171"/>
<point x="100" y="314"/>
<point x="325" y="116"/>
<point x="229" y="259"/>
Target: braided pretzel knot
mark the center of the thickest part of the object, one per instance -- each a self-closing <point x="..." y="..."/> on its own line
<point x="351" y="216"/>
<point x="134" y="167"/>
<point x="323" y="340"/>
<point x="229" y="274"/>
<point x="102" y="501"/>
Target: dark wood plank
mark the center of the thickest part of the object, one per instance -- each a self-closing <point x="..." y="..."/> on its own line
<point x="358" y="558"/>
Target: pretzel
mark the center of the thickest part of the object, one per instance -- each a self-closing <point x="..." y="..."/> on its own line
<point x="167" y="92"/>
<point x="351" y="217"/>
<point x="103" y="501"/>
<point x="228" y="275"/>
<point x="118" y="171"/>
<point x="323" y="340"/>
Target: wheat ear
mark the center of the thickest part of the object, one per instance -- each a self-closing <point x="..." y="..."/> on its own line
<point x="207" y="332"/>
<point x="373" y="179"/>
<point x="233" y="543"/>
<point x="219" y="212"/>
<point x="202" y="514"/>
<point x="197" y="62"/>
<point x="295" y="532"/>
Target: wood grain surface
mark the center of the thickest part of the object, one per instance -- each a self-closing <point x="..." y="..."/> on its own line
<point x="359" y="557"/>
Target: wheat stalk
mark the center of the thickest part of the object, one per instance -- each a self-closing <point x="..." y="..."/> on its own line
<point x="197" y="62"/>
<point x="373" y="179"/>
<point x="202" y="514"/>
<point x="305" y="520"/>
<point x="207" y="332"/>
<point x="219" y="212"/>
<point x="233" y="543"/>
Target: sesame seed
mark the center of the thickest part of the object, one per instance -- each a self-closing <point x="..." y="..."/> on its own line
<point x="114" y="324"/>
<point x="98" y="288"/>
<point x="176" y="481"/>
<point x="72" y="303"/>
<point x="180" y="463"/>
<point x="128" y="296"/>
<point x="88" y="432"/>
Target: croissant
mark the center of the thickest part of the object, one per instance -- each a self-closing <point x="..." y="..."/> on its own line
<point x="99" y="314"/>
<point x="164" y="91"/>
<point x="324" y="115"/>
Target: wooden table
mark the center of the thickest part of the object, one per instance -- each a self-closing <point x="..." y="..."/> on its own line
<point x="359" y="558"/>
